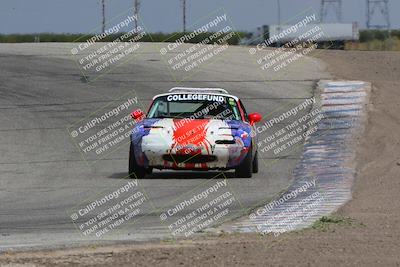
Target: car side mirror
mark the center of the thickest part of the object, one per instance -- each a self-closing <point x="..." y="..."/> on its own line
<point x="254" y="118"/>
<point x="137" y="115"/>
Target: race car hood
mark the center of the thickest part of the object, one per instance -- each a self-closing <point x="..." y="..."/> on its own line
<point x="197" y="132"/>
<point x="154" y="139"/>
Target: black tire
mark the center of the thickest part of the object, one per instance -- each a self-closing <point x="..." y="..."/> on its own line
<point x="135" y="171"/>
<point x="149" y="170"/>
<point x="245" y="169"/>
<point x="255" y="163"/>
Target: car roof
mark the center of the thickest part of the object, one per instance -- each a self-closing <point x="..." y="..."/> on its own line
<point x="192" y="90"/>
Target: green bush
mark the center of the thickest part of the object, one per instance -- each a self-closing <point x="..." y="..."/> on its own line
<point x="381" y="35"/>
<point x="67" y="37"/>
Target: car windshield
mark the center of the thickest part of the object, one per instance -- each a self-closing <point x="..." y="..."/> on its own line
<point x="195" y="106"/>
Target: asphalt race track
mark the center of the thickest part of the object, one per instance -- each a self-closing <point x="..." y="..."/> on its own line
<point x="42" y="174"/>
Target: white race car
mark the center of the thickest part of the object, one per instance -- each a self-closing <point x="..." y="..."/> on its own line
<point x="194" y="129"/>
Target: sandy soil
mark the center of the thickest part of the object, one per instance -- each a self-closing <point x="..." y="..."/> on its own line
<point x="370" y="238"/>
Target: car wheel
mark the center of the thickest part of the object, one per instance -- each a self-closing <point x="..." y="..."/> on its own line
<point x="245" y="169"/>
<point x="135" y="171"/>
<point x="255" y="163"/>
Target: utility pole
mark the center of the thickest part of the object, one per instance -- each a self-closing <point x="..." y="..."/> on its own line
<point x="279" y="12"/>
<point x="279" y="20"/>
<point x="136" y="12"/>
<point x="184" y="15"/>
<point x="334" y="5"/>
<point x="383" y="7"/>
<point x="103" y="8"/>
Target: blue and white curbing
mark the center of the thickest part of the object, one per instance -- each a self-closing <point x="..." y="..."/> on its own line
<point x="324" y="176"/>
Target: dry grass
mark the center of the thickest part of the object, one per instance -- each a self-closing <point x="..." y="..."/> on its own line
<point x="390" y="44"/>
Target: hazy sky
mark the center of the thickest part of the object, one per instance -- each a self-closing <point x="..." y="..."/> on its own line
<point x="81" y="16"/>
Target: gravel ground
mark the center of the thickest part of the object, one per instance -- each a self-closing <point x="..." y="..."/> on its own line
<point x="367" y="236"/>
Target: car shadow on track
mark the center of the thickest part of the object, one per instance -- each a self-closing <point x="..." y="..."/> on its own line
<point x="179" y="175"/>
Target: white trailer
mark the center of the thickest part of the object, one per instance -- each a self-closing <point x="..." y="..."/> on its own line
<point x="326" y="34"/>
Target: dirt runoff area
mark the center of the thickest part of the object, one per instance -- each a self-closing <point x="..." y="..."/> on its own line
<point x="365" y="232"/>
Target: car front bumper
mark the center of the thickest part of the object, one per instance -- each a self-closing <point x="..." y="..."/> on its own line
<point x="216" y="156"/>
